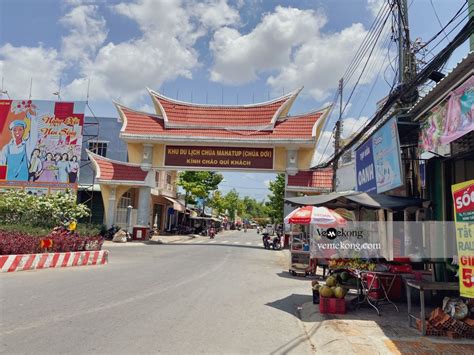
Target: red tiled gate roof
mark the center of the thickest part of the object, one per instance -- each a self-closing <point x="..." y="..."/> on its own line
<point x="316" y="179"/>
<point x="177" y="114"/>
<point x="116" y="171"/>
<point x="143" y="124"/>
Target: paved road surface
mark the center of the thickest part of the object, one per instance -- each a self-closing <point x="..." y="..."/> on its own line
<point x="194" y="297"/>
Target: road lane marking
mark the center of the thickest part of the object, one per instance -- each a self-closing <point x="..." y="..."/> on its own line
<point x="211" y="242"/>
<point x="236" y="242"/>
<point x="225" y="241"/>
<point x="248" y="243"/>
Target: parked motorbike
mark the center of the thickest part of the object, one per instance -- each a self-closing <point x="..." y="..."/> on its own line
<point x="109" y="234"/>
<point x="276" y="244"/>
<point x="258" y="230"/>
<point x="267" y="241"/>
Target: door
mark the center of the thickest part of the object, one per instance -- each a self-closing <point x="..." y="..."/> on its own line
<point x="157" y="216"/>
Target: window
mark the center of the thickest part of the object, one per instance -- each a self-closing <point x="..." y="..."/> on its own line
<point x="125" y="200"/>
<point x="99" y="148"/>
<point x="168" y="179"/>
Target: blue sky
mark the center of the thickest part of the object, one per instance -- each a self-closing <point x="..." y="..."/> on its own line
<point x="216" y="50"/>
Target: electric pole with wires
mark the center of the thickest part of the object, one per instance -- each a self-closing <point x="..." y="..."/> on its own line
<point x="337" y="136"/>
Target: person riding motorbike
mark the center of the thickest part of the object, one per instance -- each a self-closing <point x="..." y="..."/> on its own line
<point x="212" y="231"/>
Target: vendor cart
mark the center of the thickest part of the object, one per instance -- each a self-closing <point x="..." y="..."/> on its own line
<point x="299" y="255"/>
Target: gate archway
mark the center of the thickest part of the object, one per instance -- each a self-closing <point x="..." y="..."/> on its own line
<point x="186" y="136"/>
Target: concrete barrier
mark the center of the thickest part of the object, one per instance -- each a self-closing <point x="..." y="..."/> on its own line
<point x="11" y="263"/>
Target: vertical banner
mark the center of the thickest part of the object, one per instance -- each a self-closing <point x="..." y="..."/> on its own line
<point x="463" y="196"/>
<point x="40" y="145"/>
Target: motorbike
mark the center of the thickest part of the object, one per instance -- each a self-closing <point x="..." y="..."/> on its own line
<point x="267" y="241"/>
<point x="109" y="233"/>
<point x="258" y="230"/>
<point x="211" y="232"/>
<point x="276" y="243"/>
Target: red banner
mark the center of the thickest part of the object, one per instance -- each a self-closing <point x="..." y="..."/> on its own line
<point x="219" y="157"/>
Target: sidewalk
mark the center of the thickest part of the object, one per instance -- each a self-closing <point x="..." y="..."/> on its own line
<point x="362" y="331"/>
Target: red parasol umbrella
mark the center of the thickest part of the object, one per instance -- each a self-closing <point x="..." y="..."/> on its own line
<point x="315" y="215"/>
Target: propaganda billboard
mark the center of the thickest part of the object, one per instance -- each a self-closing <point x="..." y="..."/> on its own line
<point x="40" y="145"/>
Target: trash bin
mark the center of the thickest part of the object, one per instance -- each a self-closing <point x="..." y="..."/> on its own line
<point x="140" y="233"/>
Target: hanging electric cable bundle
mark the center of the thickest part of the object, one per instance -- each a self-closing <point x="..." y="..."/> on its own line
<point x="395" y="96"/>
<point x="364" y="63"/>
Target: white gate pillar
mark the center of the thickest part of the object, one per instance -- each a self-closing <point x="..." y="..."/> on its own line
<point x="144" y="200"/>
<point x="112" y="206"/>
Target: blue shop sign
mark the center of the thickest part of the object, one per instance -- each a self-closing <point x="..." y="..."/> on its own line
<point x="365" y="168"/>
<point x="378" y="162"/>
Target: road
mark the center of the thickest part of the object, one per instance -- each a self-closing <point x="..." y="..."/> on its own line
<point x="230" y="296"/>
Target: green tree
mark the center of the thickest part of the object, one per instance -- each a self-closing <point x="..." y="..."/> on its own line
<point x="276" y="203"/>
<point x="198" y="184"/>
<point x="253" y="209"/>
<point x="217" y="202"/>
<point x="232" y="203"/>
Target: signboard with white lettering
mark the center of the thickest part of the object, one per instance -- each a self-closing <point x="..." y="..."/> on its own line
<point x="378" y="162"/>
<point x="219" y="157"/>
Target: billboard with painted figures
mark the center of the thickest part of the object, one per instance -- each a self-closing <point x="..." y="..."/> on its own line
<point x="40" y="145"/>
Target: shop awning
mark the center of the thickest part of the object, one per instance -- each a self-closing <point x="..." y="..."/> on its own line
<point x="353" y="199"/>
<point x="178" y="206"/>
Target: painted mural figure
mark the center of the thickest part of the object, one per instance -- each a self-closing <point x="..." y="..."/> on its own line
<point x="63" y="168"/>
<point x="16" y="153"/>
<point x="48" y="174"/>
<point x="73" y="169"/>
<point x="36" y="166"/>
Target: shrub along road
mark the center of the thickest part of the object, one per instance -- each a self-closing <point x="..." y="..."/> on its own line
<point x="175" y="298"/>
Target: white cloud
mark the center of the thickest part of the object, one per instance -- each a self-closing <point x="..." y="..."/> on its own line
<point x="164" y="52"/>
<point x="240" y="57"/>
<point x="290" y="43"/>
<point x="321" y="61"/>
<point x="352" y="125"/>
<point x="19" y="65"/>
<point x="374" y="6"/>
<point x="87" y="32"/>
<point x="324" y="148"/>
<point x="215" y="13"/>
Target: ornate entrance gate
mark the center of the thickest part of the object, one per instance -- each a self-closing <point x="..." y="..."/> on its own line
<point x="186" y="136"/>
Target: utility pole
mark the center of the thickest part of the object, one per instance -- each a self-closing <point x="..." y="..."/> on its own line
<point x="405" y="56"/>
<point x="337" y="137"/>
<point x="470" y="8"/>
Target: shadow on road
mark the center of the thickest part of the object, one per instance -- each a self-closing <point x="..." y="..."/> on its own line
<point x="287" y="275"/>
<point x="210" y="245"/>
<point x="290" y="303"/>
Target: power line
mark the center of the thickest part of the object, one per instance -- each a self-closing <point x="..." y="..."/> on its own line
<point x="439" y="21"/>
<point x="456" y="15"/>
<point x="420" y="78"/>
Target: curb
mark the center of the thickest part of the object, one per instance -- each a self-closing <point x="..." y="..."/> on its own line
<point x="12" y="263"/>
